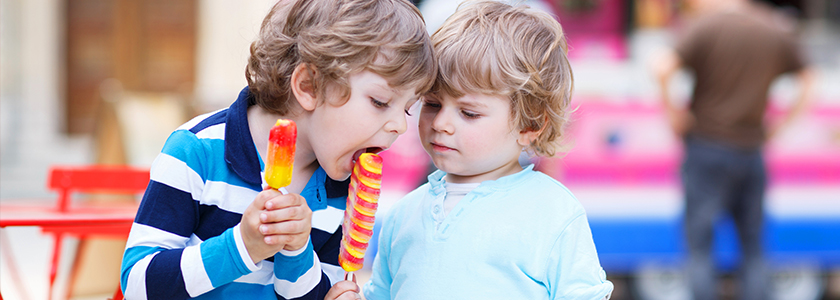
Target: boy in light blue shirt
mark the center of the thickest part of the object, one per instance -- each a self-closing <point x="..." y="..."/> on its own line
<point x="484" y="227"/>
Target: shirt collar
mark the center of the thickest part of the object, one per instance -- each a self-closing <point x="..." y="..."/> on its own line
<point x="241" y="152"/>
<point x="436" y="180"/>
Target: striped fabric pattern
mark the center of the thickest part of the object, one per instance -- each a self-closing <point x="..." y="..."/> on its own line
<point x="185" y="241"/>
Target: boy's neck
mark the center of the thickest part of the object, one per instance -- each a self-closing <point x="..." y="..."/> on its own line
<point x="510" y="168"/>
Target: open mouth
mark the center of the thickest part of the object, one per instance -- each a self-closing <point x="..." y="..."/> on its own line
<point x="374" y="150"/>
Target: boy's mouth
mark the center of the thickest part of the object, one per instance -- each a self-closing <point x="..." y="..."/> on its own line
<point x="374" y="150"/>
<point x="440" y="147"/>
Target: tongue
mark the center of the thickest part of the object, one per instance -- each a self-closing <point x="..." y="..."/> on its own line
<point x="357" y="154"/>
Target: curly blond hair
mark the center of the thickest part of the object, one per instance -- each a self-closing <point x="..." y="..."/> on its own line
<point x="492" y="48"/>
<point x="338" y="38"/>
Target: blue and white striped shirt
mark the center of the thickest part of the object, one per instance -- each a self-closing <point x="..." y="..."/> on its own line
<point x="185" y="241"/>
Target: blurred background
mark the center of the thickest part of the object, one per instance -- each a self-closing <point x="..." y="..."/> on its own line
<point x="105" y="81"/>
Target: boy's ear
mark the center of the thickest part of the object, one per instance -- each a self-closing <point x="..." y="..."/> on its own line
<point x="303" y="86"/>
<point x="526" y="137"/>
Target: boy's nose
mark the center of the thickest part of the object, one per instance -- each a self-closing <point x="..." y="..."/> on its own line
<point x="441" y="122"/>
<point x="397" y="124"/>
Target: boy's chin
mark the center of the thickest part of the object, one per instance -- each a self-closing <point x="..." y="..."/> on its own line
<point x="338" y="175"/>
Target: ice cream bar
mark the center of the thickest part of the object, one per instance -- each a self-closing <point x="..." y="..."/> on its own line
<point x="362" y="201"/>
<point x="281" y="154"/>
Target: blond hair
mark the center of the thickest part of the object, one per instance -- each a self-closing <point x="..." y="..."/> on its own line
<point x="338" y="38"/>
<point x="493" y="48"/>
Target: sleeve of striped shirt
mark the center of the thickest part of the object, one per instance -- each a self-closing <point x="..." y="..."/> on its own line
<point x="310" y="272"/>
<point x="298" y="275"/>
<point x="163" y="258"/>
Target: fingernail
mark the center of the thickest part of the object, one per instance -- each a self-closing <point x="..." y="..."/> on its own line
<point x="263" y="229"/>
<point x="263" y="217"/>
<point x="268" y="205"/>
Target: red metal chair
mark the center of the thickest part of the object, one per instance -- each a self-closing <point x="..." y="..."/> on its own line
<point x="117" y="295"/>
<point x="63" y="219"/>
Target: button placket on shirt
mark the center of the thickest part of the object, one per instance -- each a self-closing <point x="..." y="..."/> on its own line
<point x="444" y="222"/>
<point x="436" y="208"/>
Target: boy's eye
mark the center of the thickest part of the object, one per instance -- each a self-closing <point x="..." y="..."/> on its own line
<point x="378" y="104"/>
<point x="431" y="104"/>
<point x="469" y="114"/>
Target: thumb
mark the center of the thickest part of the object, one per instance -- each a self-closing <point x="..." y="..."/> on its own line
<point x="262" y="198"/>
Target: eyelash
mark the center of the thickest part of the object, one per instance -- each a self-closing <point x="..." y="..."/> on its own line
<point x="430" y="104"/>
<point x="470" y="115"/>
<point x="467" y="114"/>
<point x="378" y="104"/>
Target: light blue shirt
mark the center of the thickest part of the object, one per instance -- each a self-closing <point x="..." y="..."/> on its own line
<point x="522" y="236"/>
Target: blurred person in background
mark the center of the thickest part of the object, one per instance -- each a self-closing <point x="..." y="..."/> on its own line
<point x="735" y="50"/>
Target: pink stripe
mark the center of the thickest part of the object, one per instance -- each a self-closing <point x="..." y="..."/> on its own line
<point x="624" y="144"/>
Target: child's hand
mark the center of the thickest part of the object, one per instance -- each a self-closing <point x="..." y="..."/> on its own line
<point x="253" y="239"/>
<point x="275" y="221"/>
<point x="344" y="290"/>
<point x="287" y="220"/>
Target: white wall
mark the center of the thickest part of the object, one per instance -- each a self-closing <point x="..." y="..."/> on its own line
<point x="226" y="30"/>
<point x="32" y="111"/>
<point x="31" y="83"/>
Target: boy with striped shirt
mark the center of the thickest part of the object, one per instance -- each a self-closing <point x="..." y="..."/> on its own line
<point x="209" y="228"/>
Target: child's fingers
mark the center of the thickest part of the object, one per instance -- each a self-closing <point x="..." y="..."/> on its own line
<point x="285" y="214"/>
<point x="285" y="240"/>
<point x="344" y="290"/>
<point x="250" y="230"/>
<point x="291" y="227"/>
<point x="265" y="196"/>
<point x="280" y="201"/>
<point x="349" y="296"/>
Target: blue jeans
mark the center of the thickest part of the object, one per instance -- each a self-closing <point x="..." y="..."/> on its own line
<point x="718" y="178"/>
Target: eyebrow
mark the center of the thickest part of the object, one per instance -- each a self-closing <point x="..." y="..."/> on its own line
<point x="391" y="90"/>
<point x="471" y="103"/>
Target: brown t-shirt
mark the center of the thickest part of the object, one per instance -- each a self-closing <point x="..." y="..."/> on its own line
<point x="735" y="56"/>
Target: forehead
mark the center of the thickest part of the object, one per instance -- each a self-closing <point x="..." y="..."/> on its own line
<point x="370" y="81"/>
<point x="478" y="100"/>
<point x="405" y="70"/>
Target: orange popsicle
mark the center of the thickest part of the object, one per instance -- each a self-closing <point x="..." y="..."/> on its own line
<point x="281" y="154"/>
<point x="362" y="201"/>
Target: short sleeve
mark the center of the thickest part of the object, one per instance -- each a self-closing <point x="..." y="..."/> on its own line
<point x="690" y="45"/>
<point x="794" y="58"/>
